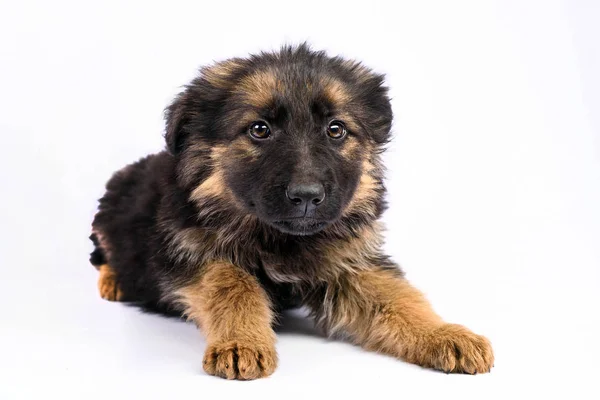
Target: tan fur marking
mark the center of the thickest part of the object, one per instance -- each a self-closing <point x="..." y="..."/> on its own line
<point x="383" y="312"/>
<point x="214" y="185"/>
<point x="365" y="191"/>
<point x="351" y="256"/>
<point x="220" y="73"/>
<point x="107" y="284"/>
<point x="260" y="87"/>
<point x="234" y="312"/>
<point x="244" y="148"/>
<point x="350" y="148"/>
<point x="193" y="240"/>
<point x="335" y="91"/>
<point x="348" y="120"/>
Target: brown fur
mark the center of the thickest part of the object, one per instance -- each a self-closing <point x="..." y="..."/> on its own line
<point x="382" y="312"/>
<point x="243" y="149"/>
<point x="214" y="185"/>
<point x="219" y="74"/>
<point x="335" y="92"/>
<point x="234" y="312"/>
<point x="259" y="88"/>
<point x="351" y="148"/>
<point x="107" y="284"/>
<point x="367" y="190"/>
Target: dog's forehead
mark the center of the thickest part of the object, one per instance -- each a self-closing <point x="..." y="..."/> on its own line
<point x="293" y="87"/>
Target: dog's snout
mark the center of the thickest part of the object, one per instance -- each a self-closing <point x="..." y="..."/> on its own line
<point x="306" y="195"/>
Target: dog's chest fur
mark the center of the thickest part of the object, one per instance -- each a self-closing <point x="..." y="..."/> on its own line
<point x="283" y="260"/>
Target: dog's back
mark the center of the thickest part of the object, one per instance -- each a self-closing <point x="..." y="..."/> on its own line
<point x="124" y="228"/>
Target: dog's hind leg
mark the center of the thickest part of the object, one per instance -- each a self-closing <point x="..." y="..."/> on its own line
<point x="108" y="285"/>
<point x="107" y="281"/>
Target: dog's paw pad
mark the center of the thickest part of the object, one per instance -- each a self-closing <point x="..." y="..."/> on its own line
<point x="239" y="360"/>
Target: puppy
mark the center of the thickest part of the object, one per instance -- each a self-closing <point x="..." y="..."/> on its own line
<point x="267" y="198"/>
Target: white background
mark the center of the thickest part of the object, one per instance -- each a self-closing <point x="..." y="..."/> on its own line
<point x="494" y="187"/>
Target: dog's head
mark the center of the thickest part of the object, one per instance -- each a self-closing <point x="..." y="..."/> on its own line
<point x="290" y="137"/>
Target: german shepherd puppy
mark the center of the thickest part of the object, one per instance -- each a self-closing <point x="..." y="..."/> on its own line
<point x="268" y="197"/>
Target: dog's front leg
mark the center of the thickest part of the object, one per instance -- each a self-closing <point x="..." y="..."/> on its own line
<point x="234" y="312"/>
<point x="381" y="311"/>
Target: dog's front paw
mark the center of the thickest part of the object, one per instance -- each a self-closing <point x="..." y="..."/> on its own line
<point x="239" y="360"/>
<point x="454" y="348"/>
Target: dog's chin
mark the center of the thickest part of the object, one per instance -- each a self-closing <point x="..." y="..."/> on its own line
<point x="299" y="226"/>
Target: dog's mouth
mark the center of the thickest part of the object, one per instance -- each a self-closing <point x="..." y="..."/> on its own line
<point x="300" y="226"/>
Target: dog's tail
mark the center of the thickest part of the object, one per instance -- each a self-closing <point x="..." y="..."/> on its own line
<point x="97" y="257"/>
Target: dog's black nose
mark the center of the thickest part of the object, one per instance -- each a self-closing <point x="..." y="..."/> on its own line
<point x="306" y="195"/>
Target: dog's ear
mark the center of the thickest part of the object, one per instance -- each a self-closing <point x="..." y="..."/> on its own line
<point x="370" y="91"/>
<point x="374" y="94"/>
<point x="381" y="107"/>
<point x="193" y="111"/>
<point x="176" y="116"/>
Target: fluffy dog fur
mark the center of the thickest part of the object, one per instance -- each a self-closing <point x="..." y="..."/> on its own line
<point x="206" y="230"/>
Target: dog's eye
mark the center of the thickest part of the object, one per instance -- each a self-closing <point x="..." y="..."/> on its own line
<point x="336" y="130"/>
<point x="259" y="130"/>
